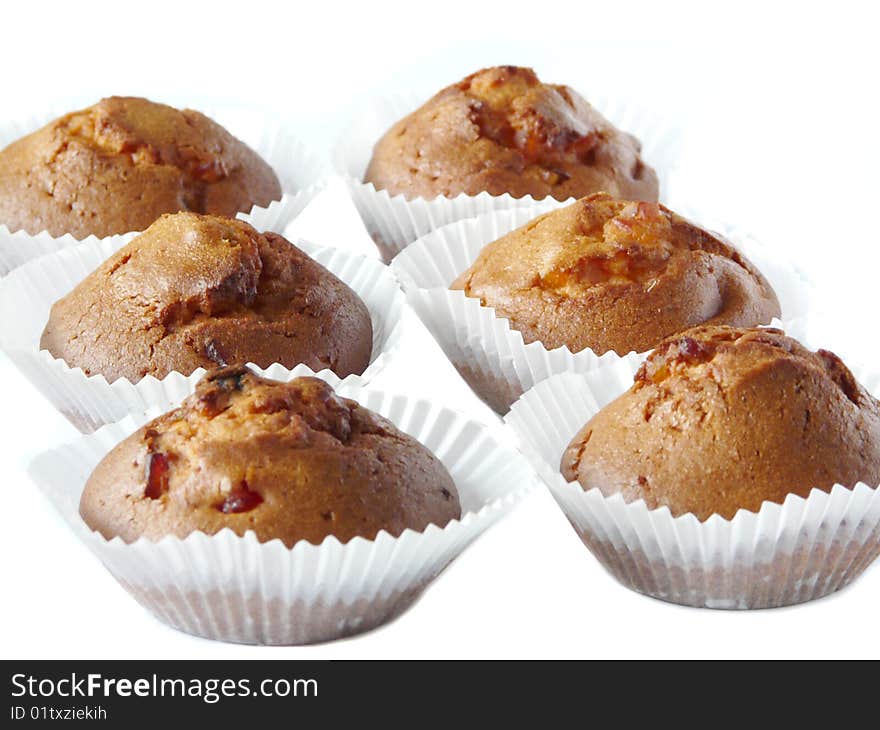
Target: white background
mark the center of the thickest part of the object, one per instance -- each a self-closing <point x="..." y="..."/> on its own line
<point x="777" y="106"/>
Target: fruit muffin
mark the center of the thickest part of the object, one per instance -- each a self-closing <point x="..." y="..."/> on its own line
<point x="289" y="461"/>
<point x="501" y="130"/>
<point x="609" y="274"/>
<point x="203" y="291"/>
<point x="721" y="419"/>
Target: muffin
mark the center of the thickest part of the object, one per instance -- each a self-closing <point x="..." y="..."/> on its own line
<point x="203" y="291"/>
<point x="501" y="130"/>
<point x="289" y="461"/>
<point x="721" y="419"/>
<point x="608" y="274"/>
<point x="120" y="164"/>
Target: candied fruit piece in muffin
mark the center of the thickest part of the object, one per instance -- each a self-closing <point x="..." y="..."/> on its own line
<point x="201" y="291"/>
<point x="120" y="164"/>
<point x="290" y="461"/>
<point x="609" y="274"/>
<point x="721" y="419"/>
<point x="501" y="130"/>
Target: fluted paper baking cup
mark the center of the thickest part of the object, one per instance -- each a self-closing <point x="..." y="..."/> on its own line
<point x="300" y="173"/>
<point x="783" y="554"/>
<point x="393" y="221"/>
<point x="232" y="588"/>
<point x="492" y="356"/>
<point x="89" y="401"/>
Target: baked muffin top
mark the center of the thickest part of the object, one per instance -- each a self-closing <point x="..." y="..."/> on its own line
<point x="290" y="461"/>
<point x="609" y="274"/>
<point x="201" y="291"/>
<point x="721" y="419"/>
<point x="501" y="130"/>
<point x="118" y="165"/>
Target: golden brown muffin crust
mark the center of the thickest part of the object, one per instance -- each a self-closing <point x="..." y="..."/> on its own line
<point x="201" y="291"/>
<point x="721" y="419"/>
<point x="610" y="274"/>
<point x="118" y="165"/>
<point x="292" y="461"/>
<point x="501" y="130"/>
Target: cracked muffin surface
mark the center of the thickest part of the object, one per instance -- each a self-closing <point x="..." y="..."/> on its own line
<point x="121" y="163"/>
<point x="609" y="274"/>
<point x="501" y="130"/>
<point x="720" y="419"/>
<point x="203" y="291"/>
<point x="292" y="461"/>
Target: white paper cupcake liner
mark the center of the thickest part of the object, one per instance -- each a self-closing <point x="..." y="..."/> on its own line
<point x="89" y="401"/>
<point x="300" y="173"/>
<point x="232" y="588"/>
<point x="393" y="221"/>
<point x="783" y="554"/>
<point x="492" y="356"/>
